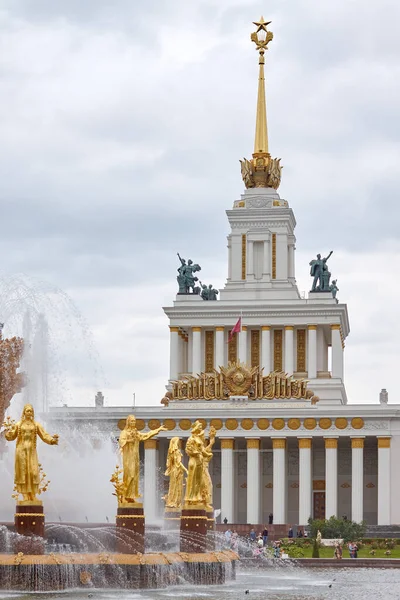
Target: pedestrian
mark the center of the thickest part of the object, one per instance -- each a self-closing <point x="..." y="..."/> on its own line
<point x="290" y="532"/>
<point x="351" y="549"/>
<point x="355" y="550"/>
<point x="265" y="536"/>
<point x="277" y="549"/>
<point x="252" y="535"/>
<point x="338" y="551"/>
<point x="260" y="542"/>
<point x="234" y="541"/>
<point x="228" y="534"/>
<point x="270" y="518"/>
<point x="225" y="521"/>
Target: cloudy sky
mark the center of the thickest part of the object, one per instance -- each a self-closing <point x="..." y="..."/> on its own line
<point x="121" y="128"/>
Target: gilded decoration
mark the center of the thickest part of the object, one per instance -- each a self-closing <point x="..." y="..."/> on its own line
<point x="263" y="424"/>
<point x="255" y="348"/>
<point x="341" y="423"/>
<point x="279" y="443"/>
<point x="209" y="351"/>
<point x="293" y="423"/>
<point x="203" y="423"/>
<point x="269" y="485"/>
<point x="237" y="379"/>
<point x="244" y="242"/>
<point x="345" y="485"/>
<point x="170" y="424"/>
<point x="140" y="424"/>
<point x="319" y="484"/>
<point x="310" y="423"/>
<point x="325" y="423"/>
<point x="150" y="444"/>
<point x="305" y="443"/>
<point x="227" y="444"/>
<point x="278" y="350"/>
<point x="154" y="424"/>
<point x="185" y="424"/>
<point x="384" y="442"/>
<point x="294" y="485"/>
<point x="301" y="350"/>
<point x="253" y="443"/>
<point x="370" y="485"/>
<point x="278" y="423"/>
<point x="357" y="423"/>
<point x="231" y="424"/>
<point x="11" y="382"/>
<point x="357" y="442"/>
<point x="216" y="423"/>
<point x="274" y="256"/>
<point x="232" y="349"/>
<point x="247" y="424"/>
<point x="331" y="443"/>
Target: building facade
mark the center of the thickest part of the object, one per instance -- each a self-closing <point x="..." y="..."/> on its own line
<point x="289" y="443"/>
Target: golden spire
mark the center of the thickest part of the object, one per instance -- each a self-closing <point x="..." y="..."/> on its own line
<point x="261" y="170"/>
<point x="261" y="38"/>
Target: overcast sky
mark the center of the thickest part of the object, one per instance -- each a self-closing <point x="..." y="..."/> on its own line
<point x="122" y="124"/>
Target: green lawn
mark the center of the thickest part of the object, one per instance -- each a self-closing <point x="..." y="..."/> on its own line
<point x="327" y="552"/>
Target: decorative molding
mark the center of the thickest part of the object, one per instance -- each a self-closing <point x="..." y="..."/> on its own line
<point x="247" y="424"/>
<point x="227" y="444"/>
<point x="278" y="424"/>
<point x="231" y="424"/>
<point x="294" y="485"/>
<point x="357" y="442"/>
<point x="305" y="443"/>
<point x="253" y="443"/>
<point x="301" y="350"/>
<point x="335" y="326"/>
<point x="279" y="443"/>
<point x="383" y="442"/>
<point x="220" y="328"/>
<point x="266" y="328"/>
<point x="255" y="347"/>
<point x="357" y="423"/>
<point x="209" y="351"/>
<point x="319" y="484"/>
<point x="150" y="444"/>
<point x="370" y="485"/>
<point x="373" y="425"/>
<point x="325" y="423"/>
<point x="257" y="224"/>
<point x="174" y="329"/>
<point x="278" y="350"/>
<point x="244" y="243"/>
<point x="331" y="443"/>
<point x="345" y="485"/>
<point x="310" y="423"/>
<point x="216" y="423"/>
<point x="341" y="423"/>
<point x="244" y="485"/>
<point x="185" y="424"/>
<point x="269" y="485"/>
<point x="232" y="348"/>
<point x="273" y="255"/>
<point x="293" y="423"/>
<point x="170" y="424"/>
<point x="263" y="424"/>
<point x="312" y="327"/>
<point x="289" y="328"/>
<point x="153" y="424"/>
<point x="196" y="329"/>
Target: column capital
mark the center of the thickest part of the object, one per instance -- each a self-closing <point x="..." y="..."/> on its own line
<point x="278" y="443"/>
<point x="150" y="444"/>
<point x="384" y="442"/>
<point x="265" y="327"/>
<point x="311" y="327"/>
<point x="335" y="326"/>
<point x="305" y="442"/>
<point x="244" y="327"/>
<point x="331" y="442"/>
<point x="174" y="329"/>
<point x="253" y="443"/>
<point x="357" y="442"/>
<point x="227" y="443"/>
<point x="219" y="328"/>
<point x="196" y="328"/>
<point x="289" y="328"/>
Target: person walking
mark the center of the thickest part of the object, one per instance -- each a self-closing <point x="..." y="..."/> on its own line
<point x="252" y="535"/>
<point x="265" y="536"/>
<point x="290" y="533"/>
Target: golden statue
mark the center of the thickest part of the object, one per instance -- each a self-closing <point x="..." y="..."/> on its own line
<point x="27" y="468"/>
<point x="129" y="445"/>
<point x="207" y="486"/>
<point x="196" y="450"/>
<point x="175" y="470"/>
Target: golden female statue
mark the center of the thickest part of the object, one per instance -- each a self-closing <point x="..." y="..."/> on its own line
<point x="195" y="449"/>
<point x="27" y="477"/>
<point x="129" y="445"/>
<point x="175" y="471"/>
<point x="207" y="487"/>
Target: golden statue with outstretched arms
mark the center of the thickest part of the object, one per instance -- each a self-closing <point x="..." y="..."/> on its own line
<point x="129" y="445"/>
<point x="27" y="468"/>
<point x="175" y="470"/>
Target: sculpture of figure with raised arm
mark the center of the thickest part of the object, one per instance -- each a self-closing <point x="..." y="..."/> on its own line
<point x="175" y="470"/>
<point x="129" y="445"/>
<point x="318" y="266"/>
<point x="27" y="468"/>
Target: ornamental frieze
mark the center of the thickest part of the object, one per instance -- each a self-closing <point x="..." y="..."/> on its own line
<point x="238" y="379"/>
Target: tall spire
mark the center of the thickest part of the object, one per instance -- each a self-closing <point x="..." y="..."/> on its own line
<point x="261" y="170"/>
<point x="261" y="37"/>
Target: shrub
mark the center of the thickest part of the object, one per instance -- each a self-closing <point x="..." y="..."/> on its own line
<point x="337" y="528"/>
<point x="295" y="552"/>
<point x="374" y="546"/>
<point x="390" y="544"/>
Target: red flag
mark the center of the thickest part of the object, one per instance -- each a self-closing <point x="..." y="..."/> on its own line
<point x="237" y="329"/>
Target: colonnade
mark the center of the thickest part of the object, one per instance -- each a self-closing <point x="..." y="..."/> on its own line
<point x="187" y="353"/>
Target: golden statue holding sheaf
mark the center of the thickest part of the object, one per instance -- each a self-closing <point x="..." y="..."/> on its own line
<point x="199" y="484"/>
<point x="207" y="487"/>
<point x="175" y="471"/>
<point x="29" y="477"/>
<point x="129" y="446"/>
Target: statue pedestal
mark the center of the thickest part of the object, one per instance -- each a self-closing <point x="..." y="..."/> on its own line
<point x="130" y="528"/>
<point x="29" y="522"/>
<point x="172" y="518"/>
<point x="193" y="529"/>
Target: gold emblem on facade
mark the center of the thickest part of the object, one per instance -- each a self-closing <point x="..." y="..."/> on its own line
<point x="170" y="424"/>
<point x="294" y="423"/>
<point x="357" y="423"/>
<point x="310" y="423"/>
<point x="278" y="424"/>
<point x="325" y="423"/>
<point x="231" y="424"/>
<point x="341" y="423"/>
<point x="185" y="424"/>
<point x="247" y="424"/>
<point x="216" y="423"/>
<point x="154" y="424"/>
<point x="263" y="424"/>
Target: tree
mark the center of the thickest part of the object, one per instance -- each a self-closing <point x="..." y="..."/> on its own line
<point x="337" y="528"/>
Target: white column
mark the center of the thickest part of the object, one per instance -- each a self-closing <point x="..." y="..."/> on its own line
<point x="357" y="479"/>
<point x="219" y="347"/>
<point x="291" y="260"/>
<point x="173" y="353"/>
<point x="150" y="480"/>
<point x="253" y="481"/>
<point x="331" y="477"/>
<point x="243" y="345"/>
<point x="289" y="351"/>
<point x="267" y="260"/>
<point x="384" y="491"/>
<point x="266" y="349"/>
<point x="312" y="352"/>
<point x="305" y="480"/>
<point x="337" y="352"/>
<point x="279" y="480"/>
<point x="196" y="350"/>
<point x="227" y="480"/>
<point x="250" y="259"/>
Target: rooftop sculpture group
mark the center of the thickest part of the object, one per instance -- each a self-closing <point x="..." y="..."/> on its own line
<point x="321" y="275"/>
<point x="187" y="280"/>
